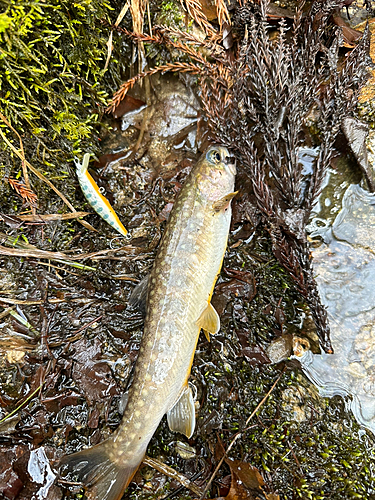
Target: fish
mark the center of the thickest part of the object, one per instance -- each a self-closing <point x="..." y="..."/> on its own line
<point x="178" y="306"/>
<point x="93" y="195"/>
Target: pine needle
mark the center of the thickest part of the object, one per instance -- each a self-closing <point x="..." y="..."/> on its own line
<point x="26" y="193"/>
<point x="222" y="13"/>
<point x="194" y="9"/>
<point x="174" y="67"/>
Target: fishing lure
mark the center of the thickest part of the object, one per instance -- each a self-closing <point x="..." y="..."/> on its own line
<point x="93" y="195"/>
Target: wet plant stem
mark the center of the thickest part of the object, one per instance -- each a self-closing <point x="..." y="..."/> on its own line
<point x="21" y="405"/>
<point x="173" y="474"/>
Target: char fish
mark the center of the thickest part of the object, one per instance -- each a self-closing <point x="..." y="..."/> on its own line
<point x="178" y="306"/>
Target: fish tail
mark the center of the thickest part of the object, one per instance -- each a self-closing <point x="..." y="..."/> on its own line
<point x="102" y="478"/>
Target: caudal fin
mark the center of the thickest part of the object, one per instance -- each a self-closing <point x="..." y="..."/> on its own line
<point x="102" y="478"/>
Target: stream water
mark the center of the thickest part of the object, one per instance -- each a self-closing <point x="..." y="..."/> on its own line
<point x="345" y="266"/>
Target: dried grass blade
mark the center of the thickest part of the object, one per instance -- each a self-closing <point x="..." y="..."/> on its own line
<point x="51" y="217"/>
<point x="137" y="10"/>
<point x="24" y="322"/>
<point x="23" y="161"/>
<point x="172" y="473"/>
<point x="21" y="405"/>
<point x="109" y="44"/>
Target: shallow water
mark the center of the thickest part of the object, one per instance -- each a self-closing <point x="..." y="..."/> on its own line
<point x="345" y="265"/>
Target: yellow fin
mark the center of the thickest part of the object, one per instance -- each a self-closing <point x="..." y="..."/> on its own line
<point x="181" y="417"/>
<point x="224" y="202"/>
<point x="209" y="320"/>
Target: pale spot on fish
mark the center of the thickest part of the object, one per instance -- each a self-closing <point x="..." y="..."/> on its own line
<point x="140" y="403"/>
<point x="147" y="377"/>
<point x="137" y="413"/>
<point x="132" y="435"/>
<point x="149" y="343"/>
<point x="144" y="392"/>
<point x="137" y="425"/>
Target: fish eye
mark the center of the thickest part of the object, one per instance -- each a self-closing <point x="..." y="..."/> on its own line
<point x="213" y="157"/>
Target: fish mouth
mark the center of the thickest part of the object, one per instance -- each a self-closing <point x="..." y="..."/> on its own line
<point x="230" y="162"/>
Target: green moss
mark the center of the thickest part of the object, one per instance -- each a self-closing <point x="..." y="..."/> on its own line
<point x="52" y="58"/>
<point x="171" y="14"/>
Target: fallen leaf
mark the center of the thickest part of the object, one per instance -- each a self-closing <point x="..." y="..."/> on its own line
<point x="127" y="105"/>
<point x="246" y="483"/>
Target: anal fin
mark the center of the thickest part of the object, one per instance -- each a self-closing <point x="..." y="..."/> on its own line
<point x="209" y="320"/>
<point x="224" y="202"/>
<point x="181" y="417"/>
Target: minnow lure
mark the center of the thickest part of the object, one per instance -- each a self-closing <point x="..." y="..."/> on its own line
<point x="178" y="306"/>
<point x="93" y="195"/>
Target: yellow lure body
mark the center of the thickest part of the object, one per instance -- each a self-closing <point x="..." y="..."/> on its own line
<point x="93" y="195"/>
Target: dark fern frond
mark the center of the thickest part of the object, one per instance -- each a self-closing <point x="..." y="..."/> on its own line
<point x="339" y="99"/>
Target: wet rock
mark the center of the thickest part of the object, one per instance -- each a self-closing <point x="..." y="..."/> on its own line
<point x="279" y="349"/>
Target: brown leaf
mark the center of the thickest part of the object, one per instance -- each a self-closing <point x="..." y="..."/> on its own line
<point x="246" y="482"/>
<point x="127" y="105"/>
<point x="164" y="214"/>
<point x="93" y="375"/>
<point x="255" y="355"/>
<point x="246" y="473"/>
<point x="10" y="484"/>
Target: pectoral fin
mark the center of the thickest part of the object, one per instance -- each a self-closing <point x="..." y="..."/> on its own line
<point x="181" y="418"/>
<point x="224" y="202"/>
<point x="138" y="296"/>
<point x="209" y="320"/>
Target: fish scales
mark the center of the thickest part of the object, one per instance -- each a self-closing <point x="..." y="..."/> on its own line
<point x="180" y="287"/>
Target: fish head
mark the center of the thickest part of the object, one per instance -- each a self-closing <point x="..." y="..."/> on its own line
<point x="217" y="169"/>
<point x="220" y="158"/>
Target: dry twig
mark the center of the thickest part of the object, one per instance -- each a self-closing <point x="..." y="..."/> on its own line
<point x="172" y="473"/>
